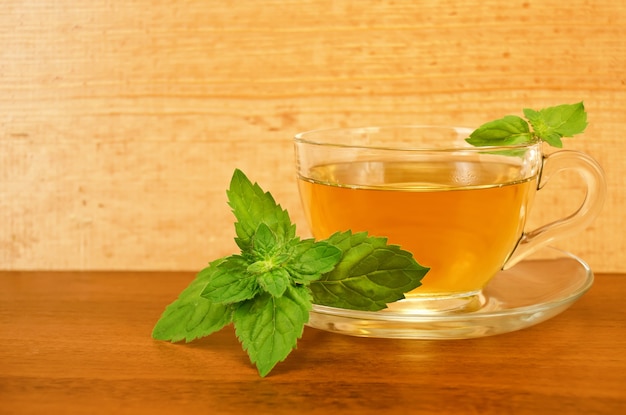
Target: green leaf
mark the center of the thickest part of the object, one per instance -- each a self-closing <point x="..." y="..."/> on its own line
<point x="549" y="125"/>
<point x="251" y="206"/>
<point x="264" y="241"/>
<point x="231" y="282"/>
<point x="509" y="130"/>
<point x="370" y="275"/>
<point x="552" y="123"/>
<point x="190" y="316"/>
<point x="553" y="138"/>
<point x="311" y="259"/>
<point x="275" y="281"/>
<point x="269" y="327"/>
<point x="267" y="253"/>
<point x="531" y="114"/>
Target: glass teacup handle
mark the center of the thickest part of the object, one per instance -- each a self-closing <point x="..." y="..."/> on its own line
<point x="592" y="175"/>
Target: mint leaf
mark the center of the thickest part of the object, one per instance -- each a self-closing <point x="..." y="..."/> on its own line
<point x="275" y="281"/>
<point x="370" y="275"/>
<point x="311" y="259"/>
<point x="267" y="252"/>
<point x="251" y="206"/>
<point x="231" y="282"/>
<point x="190" y="316"/>
<point x="509" y="130"/>
<point x="264" y="242"/>
<point x="542" y="129"/>
<point x="549" y="125"/>
<point x="268" y="327"/>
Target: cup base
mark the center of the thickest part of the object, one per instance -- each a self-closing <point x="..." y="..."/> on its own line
<point x="443" y="304"/>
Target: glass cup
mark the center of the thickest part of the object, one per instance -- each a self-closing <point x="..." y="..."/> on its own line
<point x="460" y="210"/>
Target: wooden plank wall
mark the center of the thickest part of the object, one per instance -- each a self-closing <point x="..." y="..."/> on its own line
<point x="121" y="121"/>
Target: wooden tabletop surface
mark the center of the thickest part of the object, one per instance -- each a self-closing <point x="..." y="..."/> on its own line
<point x="79" y="343"/>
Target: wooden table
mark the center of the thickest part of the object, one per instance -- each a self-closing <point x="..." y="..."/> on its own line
<point x="79" y="343"/>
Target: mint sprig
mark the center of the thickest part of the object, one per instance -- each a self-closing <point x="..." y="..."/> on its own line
<point x="548" y="124"/>
<point x="268" y="290"/>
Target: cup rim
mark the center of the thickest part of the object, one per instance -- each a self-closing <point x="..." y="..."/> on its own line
<point x="302" y="138"/>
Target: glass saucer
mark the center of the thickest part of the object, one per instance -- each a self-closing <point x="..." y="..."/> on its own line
<point x="534" y="290"/>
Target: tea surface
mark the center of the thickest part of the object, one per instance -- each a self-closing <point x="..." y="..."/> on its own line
<point x="462" y="218"/>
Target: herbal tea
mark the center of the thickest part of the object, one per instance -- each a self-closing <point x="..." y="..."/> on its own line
<point x="461" y="218"/>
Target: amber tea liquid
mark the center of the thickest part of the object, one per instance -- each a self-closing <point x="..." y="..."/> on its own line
<point x="460" y="218"/>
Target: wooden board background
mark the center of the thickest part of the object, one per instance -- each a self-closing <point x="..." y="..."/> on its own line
<point x="121" y="121"/>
